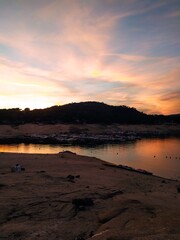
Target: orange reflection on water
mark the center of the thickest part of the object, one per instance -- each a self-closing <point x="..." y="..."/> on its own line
<point x="160" y="156"/>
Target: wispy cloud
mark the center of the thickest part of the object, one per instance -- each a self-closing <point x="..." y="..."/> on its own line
<point x="120" y="52"/>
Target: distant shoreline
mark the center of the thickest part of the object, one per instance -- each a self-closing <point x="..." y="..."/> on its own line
<point x="83" y="134"/>
<point x="75" y="140"/>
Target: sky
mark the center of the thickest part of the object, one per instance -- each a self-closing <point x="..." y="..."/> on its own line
<point x="120" y="52"/>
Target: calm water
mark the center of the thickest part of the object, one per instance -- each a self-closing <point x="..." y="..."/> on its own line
<point x="161" y="156"/>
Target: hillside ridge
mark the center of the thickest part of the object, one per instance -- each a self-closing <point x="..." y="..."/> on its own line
<point x="84" y="112"/>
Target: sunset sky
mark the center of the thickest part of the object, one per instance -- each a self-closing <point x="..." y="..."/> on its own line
<point x="121" y="52"/>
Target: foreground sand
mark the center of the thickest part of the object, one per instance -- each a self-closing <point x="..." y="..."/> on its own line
<point x="38" y="202"/>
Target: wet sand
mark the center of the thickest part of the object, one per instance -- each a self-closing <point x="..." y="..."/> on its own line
<point x="69" y="197"/>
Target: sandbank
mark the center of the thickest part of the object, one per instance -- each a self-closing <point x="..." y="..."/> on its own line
<point x="70" y="197"/>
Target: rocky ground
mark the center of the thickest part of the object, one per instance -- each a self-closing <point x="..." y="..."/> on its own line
<point x="82" y="134"/>
<point x="69" y="197"/>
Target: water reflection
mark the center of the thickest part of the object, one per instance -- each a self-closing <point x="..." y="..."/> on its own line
<point x="161" y="156"/>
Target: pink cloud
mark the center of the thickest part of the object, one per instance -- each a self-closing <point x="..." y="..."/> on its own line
<point x="75" y="44"/>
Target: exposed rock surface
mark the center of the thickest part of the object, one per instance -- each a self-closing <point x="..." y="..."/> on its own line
<point x="101" y="204"/>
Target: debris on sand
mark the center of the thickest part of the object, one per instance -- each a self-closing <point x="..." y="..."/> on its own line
<point x="17" y="168"/>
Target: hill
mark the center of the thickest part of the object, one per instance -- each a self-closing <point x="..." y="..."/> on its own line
<point x="84" y="112"/>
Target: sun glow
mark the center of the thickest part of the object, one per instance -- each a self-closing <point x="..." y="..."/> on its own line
<point x="108" y="57"/>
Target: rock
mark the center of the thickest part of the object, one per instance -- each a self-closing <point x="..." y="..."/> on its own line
<point x="79" y="238"/>
<point x="80" y="203"/>
<point x="112" y="194"/>
<point x="71" y="177"/>
<point x="91" y="234"/>
<point x="2" y="185"/>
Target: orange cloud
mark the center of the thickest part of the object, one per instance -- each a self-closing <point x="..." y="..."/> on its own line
<point x="69" y="51"/>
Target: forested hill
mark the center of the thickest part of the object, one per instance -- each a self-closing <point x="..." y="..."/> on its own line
<point x="84" y="112"/>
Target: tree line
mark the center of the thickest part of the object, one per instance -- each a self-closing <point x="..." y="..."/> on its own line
<point x="84" y="112"/>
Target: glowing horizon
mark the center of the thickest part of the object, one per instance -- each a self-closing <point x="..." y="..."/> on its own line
<point x="113" y="51"/>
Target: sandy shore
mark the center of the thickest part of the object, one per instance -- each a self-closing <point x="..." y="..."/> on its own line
<point x="71" y="197"/>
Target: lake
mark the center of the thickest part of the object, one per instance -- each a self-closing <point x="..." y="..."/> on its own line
<point x="160" y="156"/>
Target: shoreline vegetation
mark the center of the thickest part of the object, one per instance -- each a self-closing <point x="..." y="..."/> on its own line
<point x="83" y="134"/>
<point x="71" y="197"/>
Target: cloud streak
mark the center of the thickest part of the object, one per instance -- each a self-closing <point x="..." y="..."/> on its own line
<point x="119" y="52"/>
